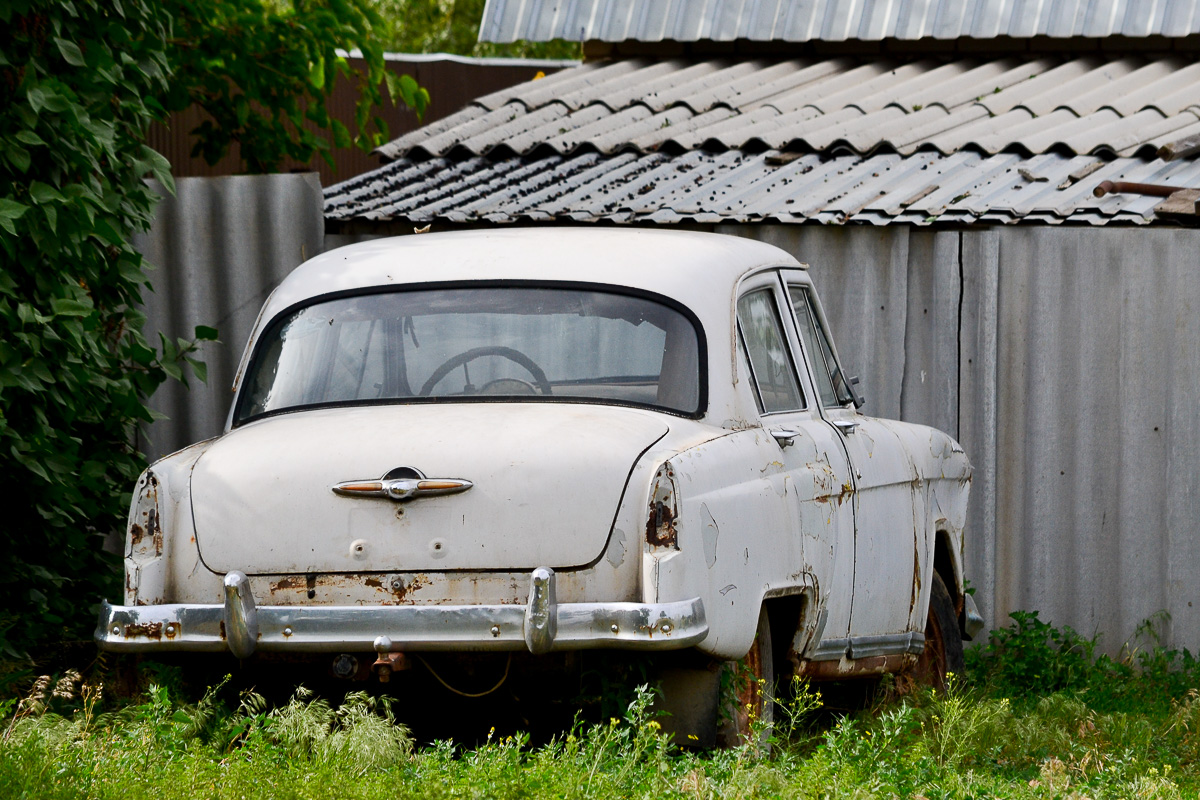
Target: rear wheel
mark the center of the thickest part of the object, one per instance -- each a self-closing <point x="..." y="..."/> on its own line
<point x="719" y="704"/>
<point x="943" y="652"/>
<point x="748" y="691"/>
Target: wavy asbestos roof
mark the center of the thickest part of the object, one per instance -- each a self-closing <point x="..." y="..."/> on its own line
<point x="831" y="20"/>
<point x="837" y="140"/>
<point x="1120" y="106"/>
<point x="735" y="186"/>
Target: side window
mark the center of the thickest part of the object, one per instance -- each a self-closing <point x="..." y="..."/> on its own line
<point x="831" y="384"/>
<point x="766" y="350"/>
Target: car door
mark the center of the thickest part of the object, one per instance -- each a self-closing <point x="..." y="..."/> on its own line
<point x="888" y="535"/>
<point x="812" y="472"/>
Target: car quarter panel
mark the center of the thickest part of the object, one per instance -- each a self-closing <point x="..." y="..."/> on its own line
<point x="945" y="481"/>
<point x="162" y="562"/>
<point x="747" y="528"/>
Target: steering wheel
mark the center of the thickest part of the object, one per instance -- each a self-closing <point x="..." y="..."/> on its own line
<point x="539" y="375"/>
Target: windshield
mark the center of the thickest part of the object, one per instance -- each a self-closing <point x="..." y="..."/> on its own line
<point x="477" y="343"/>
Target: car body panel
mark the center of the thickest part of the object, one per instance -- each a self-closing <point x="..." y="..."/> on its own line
<point x="272" y="508"/>
<point x="625" y="513"/>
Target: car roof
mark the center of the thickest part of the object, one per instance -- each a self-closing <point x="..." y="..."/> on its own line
<point x="692" y="268"/>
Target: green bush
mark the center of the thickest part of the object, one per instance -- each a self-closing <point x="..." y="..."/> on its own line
<point x="76" y="82"/>
<point x="1031" y="660"/>
<point x="80" y="81"/>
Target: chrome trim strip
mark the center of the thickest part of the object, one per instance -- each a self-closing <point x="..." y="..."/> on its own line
<point x="887" y="644"/>
<point x="320" y="629"/>
<point x="869" y="646"/>
<point x="830" y="650"/>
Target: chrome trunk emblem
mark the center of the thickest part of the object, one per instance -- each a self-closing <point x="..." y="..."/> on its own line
<point x="402" y="483"/>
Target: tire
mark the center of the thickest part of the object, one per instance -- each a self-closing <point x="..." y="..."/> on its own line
<point x="748" y="688"/>
<point x="943" y="652"/>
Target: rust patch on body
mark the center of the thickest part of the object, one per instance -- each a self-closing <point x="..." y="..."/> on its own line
<point x="221" y="630"/>
<point x="401" y="590"/>
<point x="136" y="533"/>
<point x="845" y="494"/>
<point x="844" y="669"/>
<point x="916" y="592"/>
<point x="154" y="530"/>
<point x="374" y="583"/>
<point x="151" y="630"/>
<point x="286" y="583"/>
<point x="661" y="529"/>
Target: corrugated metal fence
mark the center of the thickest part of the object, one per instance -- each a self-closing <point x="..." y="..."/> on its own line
<point x="220" y="246"/>
<point x="1065" y="359"/>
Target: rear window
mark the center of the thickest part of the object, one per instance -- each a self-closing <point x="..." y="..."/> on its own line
<point x="477" y="343"/>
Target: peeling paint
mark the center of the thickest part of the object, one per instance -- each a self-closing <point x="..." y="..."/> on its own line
<point x="616" y="549"/>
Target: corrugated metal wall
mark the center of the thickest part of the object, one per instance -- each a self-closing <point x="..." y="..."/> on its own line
<point x="1098" y="428"/>
<point x="220" y="246"/>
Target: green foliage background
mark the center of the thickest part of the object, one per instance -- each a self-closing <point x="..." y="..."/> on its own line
<point x="77" y="82"/>
<point x="80" y="81"/>
<point x="262" y="68"/>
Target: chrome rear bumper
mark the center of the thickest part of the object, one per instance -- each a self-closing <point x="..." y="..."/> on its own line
<point x="542" y="625"/>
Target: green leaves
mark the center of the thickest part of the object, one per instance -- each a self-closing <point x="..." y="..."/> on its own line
<point x="316" y="74"/>
<point x="44" y="193"/>
<point x="404" y="89"/>
<point x="71" y="52"/>
<point x="10" y="212"/>
<point x="149" y="160"/>
<point x="262" y="71"/>
<point x="74" y="367"/>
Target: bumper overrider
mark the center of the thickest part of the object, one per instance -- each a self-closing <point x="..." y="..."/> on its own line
<point x="542" y="625"/>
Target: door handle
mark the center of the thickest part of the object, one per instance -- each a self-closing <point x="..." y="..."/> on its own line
<point x="846" y="426"/>
<point x="783" y="436"/>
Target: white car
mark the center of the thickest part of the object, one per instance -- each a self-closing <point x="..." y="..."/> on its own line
<point x="544" y="440"/>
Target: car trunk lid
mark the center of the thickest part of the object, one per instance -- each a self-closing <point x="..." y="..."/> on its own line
<point x="546" y="483"/>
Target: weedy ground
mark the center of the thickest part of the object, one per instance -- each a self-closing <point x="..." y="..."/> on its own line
<point x="1037" y="715"/>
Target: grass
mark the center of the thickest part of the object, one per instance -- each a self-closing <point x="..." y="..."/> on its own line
<point x="1037" y="715"/>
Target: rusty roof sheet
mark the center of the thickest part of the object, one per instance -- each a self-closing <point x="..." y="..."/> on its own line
<point x="1118" y="106"/>
<point x="832" y="20"/>
<point x="737" y="186"/>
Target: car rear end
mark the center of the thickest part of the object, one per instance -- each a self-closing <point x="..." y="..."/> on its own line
<point x="416" y="469"/>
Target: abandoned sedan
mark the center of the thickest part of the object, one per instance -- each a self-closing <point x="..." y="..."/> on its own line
<point x="547" y="441"/>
